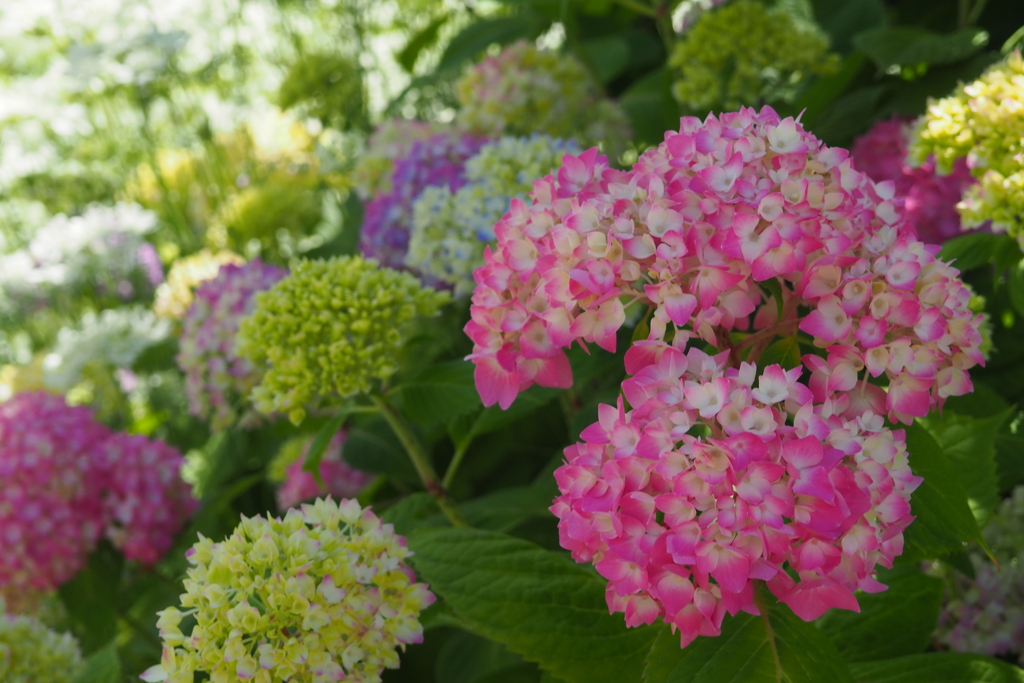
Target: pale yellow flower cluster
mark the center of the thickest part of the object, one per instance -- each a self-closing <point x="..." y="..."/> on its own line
<point x="984" y="122"/>
<point x="175" y="295"/>
<point x="32" y="653"/>
<point x="319" y="596"/>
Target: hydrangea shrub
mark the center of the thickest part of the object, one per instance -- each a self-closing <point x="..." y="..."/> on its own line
<point x="322" y="594"/>
<point x="32" y="653"/>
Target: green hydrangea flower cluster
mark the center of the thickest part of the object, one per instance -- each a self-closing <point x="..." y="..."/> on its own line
<point x="330" y="329"/>
<point x="450" y="230"/>
<point x="524" y="90"/>
<point x="744" y="54"/>
<point x="32" y="653"/>
<point x="319" y="596"/>
<point x="983" y="121"/>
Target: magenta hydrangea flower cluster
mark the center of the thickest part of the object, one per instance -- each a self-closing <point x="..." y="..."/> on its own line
<point x="340" y="479"/>
<point x="438" y="160"/>
<point x="68" y="481"/>
<point x="218" y="380"/>
<point x="927" y="198"/>
<point x="146" y="500"/>
<point x="735" y="232"/>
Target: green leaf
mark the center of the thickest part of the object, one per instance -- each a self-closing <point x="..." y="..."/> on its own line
<point x="895" y="622"/>
<point x="843" y="19"/>
<point x="468" y="658"/>
<point x="440" y="393"/>
<point x="849" y="115"/>
<point x="323" y="437"/>
<point x="651" y="107"/>
<point x="972" y="251"/>
<point x="894" y="47"/>
<point x="494" y="418"/>
<point x="1015" y="287"/>
<point x="824" y="90"/>
<point x="784" y="352"/>
<point x="1009" y="461"/>
<point x="537" y="603"/>
<point x="944" y="519"/>
<point x="774" y="288"/>
<point x="407" y="514"/>
<point x="969" y="442"/>
<point x="91" y="598"/>
<point x="609" y="56"/>
<point x="102" y="666"/>
<point x="420" y="41"/>
<point x="939" y="667"/>
<point x="479" y="36"/>
<point x="774" y="647"/>
<point x="372" y="446"/>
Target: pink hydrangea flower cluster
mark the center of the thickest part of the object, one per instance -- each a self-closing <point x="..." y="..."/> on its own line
<point x="218" y="380"/>
<point x="734" y="232"/>
<point x="65" y="482"/>
<point x="146" y="501"/>
<point x="438" y="160"/>
<point x="341" y="480"/>
<point x="928" y="199"/>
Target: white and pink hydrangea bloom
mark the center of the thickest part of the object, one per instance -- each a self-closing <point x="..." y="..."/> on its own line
<point x="69" y="481"/>
<point x="734" y="232"/>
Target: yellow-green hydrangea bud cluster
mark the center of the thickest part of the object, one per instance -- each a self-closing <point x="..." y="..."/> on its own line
<point x="32" y="653"/>
<point x="983" y="121"/>
<point x="524" y="90"/>
<point x="450" y="230"/>
<point x="330" y="329"/>
<point x="321" y="595"/>
<point x="746" y="54"/>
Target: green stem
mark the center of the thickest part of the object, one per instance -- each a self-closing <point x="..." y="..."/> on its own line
<point x="420" y="460"/>
<point x="460" y="454"/>
<point x="663" y="19"/>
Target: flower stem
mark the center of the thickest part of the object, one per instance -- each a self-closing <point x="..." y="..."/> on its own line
<point x="453" y="467"/>
<point x="420" y="460"/>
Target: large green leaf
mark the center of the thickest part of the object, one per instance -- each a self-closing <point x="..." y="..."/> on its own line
<point x="420" y="41"/>
<point x="978" y="249"/>
<point x="776" y="647"/>
<point x="609" y="56"/>
<point x="372" y="446"/>
<point x="651" y="107"/>
<point x="537" y="603"/>
<point x="315" y="453"/>
<point x="440" y="393"/>
<point x="843" y="19"/>
<point x="939" y="667"/>
<point x="480" y="35"/>
<point x="944" y="519"/>
<point x="494" y="418"/>
<point x="102" y="666"/>
<point x="893" y="623"/>
<point x="969" y="442"/>
<point x="893" y="47"/>
<point x="91" y="598"/>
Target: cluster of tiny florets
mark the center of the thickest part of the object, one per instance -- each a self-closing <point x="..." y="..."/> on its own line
<point x="927" y="198"/>
<point x="525" y="90"/>
<point x="32" y="653"/>
<point x="733" y="56"/>
<point x="392" y="140"/>
<point x="174" y="296"/>
<point x="328" y="330"/>
<point x="734" y="232"/>
<point x="146" y="501"/>
<point x="320" y="595"/>
<point x="217" y="379"/>
<point x="438" y="160"/>
<point x="986" y="614"/>
<point x="983" y="122"/>
<point x="68" y="481"/>
<point x="340" y="480"/>
<point x="450" y="229"/>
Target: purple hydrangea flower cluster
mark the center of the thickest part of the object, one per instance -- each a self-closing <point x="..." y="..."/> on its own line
<point x="438" y="160"/>
<point x="218" y="380"/>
